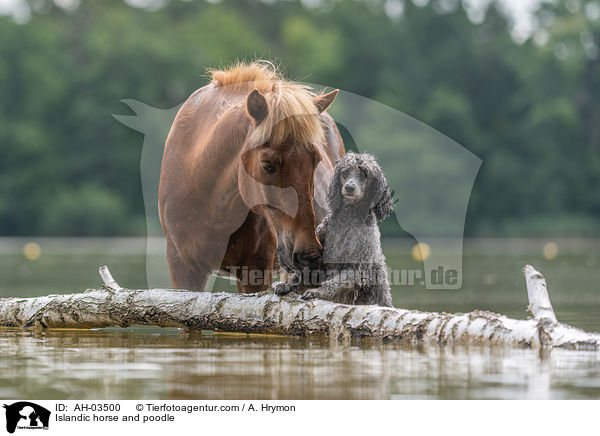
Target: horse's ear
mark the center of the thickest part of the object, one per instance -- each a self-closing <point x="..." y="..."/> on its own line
<point x="257" y="106"/>
<point x="322" y="102"/>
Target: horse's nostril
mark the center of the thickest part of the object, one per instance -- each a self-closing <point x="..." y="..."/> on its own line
<point x="300" y="259"/>
<point x="307" y="259"/>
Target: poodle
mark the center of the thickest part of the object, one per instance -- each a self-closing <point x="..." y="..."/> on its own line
<point x="354" y="269"/>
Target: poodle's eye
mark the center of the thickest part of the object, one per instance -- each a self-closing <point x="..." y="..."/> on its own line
<point x="365" y="173"/>
<point x="268" y="167"/>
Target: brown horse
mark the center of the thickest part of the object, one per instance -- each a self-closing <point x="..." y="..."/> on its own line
<point x="244" y="175"/>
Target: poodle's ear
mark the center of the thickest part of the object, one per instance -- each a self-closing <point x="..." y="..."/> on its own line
<point x="334" y="194"/>
<point x="385" y="205"/>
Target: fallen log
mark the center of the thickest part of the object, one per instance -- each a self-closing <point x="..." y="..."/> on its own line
<point x="268" y="313"/>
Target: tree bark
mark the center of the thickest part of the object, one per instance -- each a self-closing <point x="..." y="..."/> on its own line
<point x="268" y="313"/>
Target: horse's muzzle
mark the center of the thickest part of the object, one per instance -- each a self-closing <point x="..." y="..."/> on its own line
<point x="304" y="259"/>
<point x="285" y="257"/>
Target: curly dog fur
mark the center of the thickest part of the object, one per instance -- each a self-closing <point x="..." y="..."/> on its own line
<point x="354" y="269"/>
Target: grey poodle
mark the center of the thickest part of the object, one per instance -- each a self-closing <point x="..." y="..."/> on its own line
<point x="353" y="269"/>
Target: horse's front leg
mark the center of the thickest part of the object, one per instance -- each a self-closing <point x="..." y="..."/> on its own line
<point x="185" y="274"/>
<point x="250" y="255"/>
<point x="255" y="273"/>
<point x="256" y="280"/>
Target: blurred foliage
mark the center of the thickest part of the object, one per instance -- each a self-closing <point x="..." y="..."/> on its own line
<point x="529" y="109"/>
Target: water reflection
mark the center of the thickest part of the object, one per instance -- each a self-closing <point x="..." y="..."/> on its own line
<point x="171" y="364"/>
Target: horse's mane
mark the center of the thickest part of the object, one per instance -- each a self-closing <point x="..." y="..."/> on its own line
<point x="292" y="112"/>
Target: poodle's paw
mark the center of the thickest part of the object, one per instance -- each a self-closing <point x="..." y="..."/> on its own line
<point x="281" y="288"/>
<point x="311" y="294"/>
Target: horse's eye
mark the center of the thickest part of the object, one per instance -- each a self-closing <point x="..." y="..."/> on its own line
<point x="268" y="167"/>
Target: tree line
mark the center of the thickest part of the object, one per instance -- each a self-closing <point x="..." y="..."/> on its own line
<point x="529" y="109"/>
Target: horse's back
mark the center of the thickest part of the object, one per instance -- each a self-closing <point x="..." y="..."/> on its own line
<point x="197" y="115"/>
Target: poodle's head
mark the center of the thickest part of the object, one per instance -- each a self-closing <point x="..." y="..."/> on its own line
<point x="359" y="181"/>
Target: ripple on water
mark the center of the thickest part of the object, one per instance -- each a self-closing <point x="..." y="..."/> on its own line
<point x="100" y="364"/>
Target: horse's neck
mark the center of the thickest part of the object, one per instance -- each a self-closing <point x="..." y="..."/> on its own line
<point x="216" y="162"/>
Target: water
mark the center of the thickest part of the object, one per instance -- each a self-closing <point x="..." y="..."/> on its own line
<point x="175" y="364"/>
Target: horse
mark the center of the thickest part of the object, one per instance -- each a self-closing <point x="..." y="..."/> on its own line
<point x="244" y="178"/>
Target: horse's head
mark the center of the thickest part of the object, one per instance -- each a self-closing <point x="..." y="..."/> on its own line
<point x="277" y="170"/>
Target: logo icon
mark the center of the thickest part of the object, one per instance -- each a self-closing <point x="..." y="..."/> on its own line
<point x="26" y="415"/>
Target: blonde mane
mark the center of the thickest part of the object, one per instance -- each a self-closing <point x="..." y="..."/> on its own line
<point x="292" y="112"/>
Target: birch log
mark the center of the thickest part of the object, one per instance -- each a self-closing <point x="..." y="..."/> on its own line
<point x="288" y="315"/>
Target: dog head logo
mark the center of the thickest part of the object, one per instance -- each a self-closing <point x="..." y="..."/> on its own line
<point x="26" y="415"/>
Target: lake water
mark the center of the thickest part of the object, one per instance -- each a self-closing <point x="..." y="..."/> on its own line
<point x="176" y="364"/>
